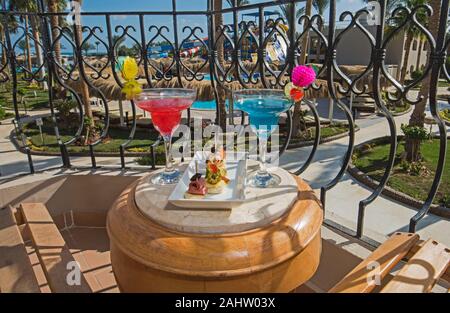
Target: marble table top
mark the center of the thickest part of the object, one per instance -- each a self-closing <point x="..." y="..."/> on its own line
<point x="262" y="206"/>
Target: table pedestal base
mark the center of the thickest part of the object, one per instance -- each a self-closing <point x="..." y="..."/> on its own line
<point x="148" y="257"/>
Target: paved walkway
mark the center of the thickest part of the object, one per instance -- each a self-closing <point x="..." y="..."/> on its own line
<point x="382" y="217"/>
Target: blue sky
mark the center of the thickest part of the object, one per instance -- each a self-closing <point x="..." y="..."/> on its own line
<point x="166" y="5"/>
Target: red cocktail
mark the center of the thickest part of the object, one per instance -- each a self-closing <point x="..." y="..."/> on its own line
<point x="165" y="107"/>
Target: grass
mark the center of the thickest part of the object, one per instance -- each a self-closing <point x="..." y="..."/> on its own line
<point x="400" y="108"/>
<point x="326" y="131"/>
<point x="6" y="115"/>
<point x="141" y="142"/>
<point x="32" y="101"/>
<point x="373" y="162"/>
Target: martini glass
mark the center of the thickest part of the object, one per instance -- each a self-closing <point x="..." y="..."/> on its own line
<point x="263" y="107"/>
<point x="165" y="106"/>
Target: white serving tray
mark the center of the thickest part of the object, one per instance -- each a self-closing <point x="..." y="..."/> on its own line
<point x="232" y="196"/>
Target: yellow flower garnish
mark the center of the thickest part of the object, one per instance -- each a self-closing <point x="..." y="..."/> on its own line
<point x="131" y="89"/>
<point x="130" y="70"/>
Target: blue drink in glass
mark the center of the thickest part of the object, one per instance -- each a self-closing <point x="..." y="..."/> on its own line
<point x="263" y="107"/>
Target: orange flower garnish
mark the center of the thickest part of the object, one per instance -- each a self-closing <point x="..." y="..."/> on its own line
<point x="293" y="92"/>
<point x="297" y="94"/>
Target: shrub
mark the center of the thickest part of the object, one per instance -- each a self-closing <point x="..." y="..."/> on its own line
<point x="2" y="113"/>
<point x="416" y="74"/>
<point x="64" y="107"/>
<point x="414" y="132"/>
<point x="414" y="168"/>
<point x="414" y="136"/>
<point x="445" y="114"/>
<point x="445" y="201"/>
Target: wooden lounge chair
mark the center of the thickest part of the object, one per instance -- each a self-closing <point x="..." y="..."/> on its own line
<point x="427" y="262"/>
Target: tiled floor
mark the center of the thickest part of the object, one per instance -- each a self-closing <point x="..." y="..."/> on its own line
<point x="90" y="247"/>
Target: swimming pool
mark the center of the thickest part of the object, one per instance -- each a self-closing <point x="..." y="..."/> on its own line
<point x="205" y="105"/>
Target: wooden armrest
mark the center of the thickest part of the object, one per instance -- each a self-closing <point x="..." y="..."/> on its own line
<point x="16" y="271"/>
<point x="387" y="256"/>
<point x="422" y="271"/>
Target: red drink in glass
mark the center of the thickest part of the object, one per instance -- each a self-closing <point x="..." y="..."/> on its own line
<point x="165" y="113"/>
<point x="165" y="106"/>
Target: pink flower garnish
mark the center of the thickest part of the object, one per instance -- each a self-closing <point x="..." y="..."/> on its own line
<point x="303" y="76"/>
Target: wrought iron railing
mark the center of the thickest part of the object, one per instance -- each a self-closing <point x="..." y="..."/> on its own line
<point x="236" y="74"/>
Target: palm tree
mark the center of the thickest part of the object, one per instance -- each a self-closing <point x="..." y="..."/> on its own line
<point x="26" y="6"/>
<point x="218" y="22"/>
<point x="411" y="31"/>
<point x="84" y="87"/>
<point x="418" y="116"/>
<point x="97" y="43"/>
<point x="286" y="11"/>
<point x="86" y="47"/>
<point x="54" y="6"/>
<point x="239" y="3"/>
<point x="320" y="6"/>
<point x="298" y="116"/>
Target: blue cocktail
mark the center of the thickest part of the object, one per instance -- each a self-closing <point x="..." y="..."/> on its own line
<point x="263" y="107"/>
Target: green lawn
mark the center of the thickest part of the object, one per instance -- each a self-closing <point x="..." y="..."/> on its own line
<point x="141" y="142"/>
<point x="373" y="162"/>
<point x="400" y="108"/>
<point x="6" y="115"/>
<point x="34" y="98"/>
<point x="326" y="131"/>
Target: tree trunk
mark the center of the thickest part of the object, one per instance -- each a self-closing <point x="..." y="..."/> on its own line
<point x="84" y="87"/>
<point x="218" y="20"/>
<point x="305" y="41"/>
<point x="27" y="45"/>
<point x="419" y="52"/>
<point x="54" y="23"/>
<point x="408" y="44"/>
<point x="297" y="117"/>
<point x="318" y="41"/>
<point x="37" y="47"/>
<point x="2" y="38"/>
<point x="417" y="118"/>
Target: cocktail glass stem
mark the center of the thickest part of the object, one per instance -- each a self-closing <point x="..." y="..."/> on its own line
<point x="262" y="156"/>
<point x="168" y="151"/>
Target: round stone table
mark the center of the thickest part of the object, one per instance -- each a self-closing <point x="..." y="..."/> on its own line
<point x="271" y="243"/>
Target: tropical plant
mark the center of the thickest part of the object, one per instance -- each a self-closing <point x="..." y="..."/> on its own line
<point x="218" y="21"/>
<point x="417" y="118"/>
<point x="31" y="6"/>
<point x="55" y="6"/>
<point x="86" y="47"/>
<point x="64" y="106"/>
<point x="410" y="30"/>
<point x="414" y="136"/>
<point x="239" y="3"/>
<point x="84" y="87"/>
<point x="286" y="11"/>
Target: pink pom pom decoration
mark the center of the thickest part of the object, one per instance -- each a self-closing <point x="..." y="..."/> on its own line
<point x="303" y="76"/>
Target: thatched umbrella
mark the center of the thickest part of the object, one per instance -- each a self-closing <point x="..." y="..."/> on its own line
<point x="108" y="87"/>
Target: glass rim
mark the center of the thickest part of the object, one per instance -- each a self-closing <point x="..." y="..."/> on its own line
<point x="254" y="91"/>
<point x="171" y="92"/>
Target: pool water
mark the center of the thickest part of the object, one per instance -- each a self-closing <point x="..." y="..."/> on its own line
<point x="207" y="105"/>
